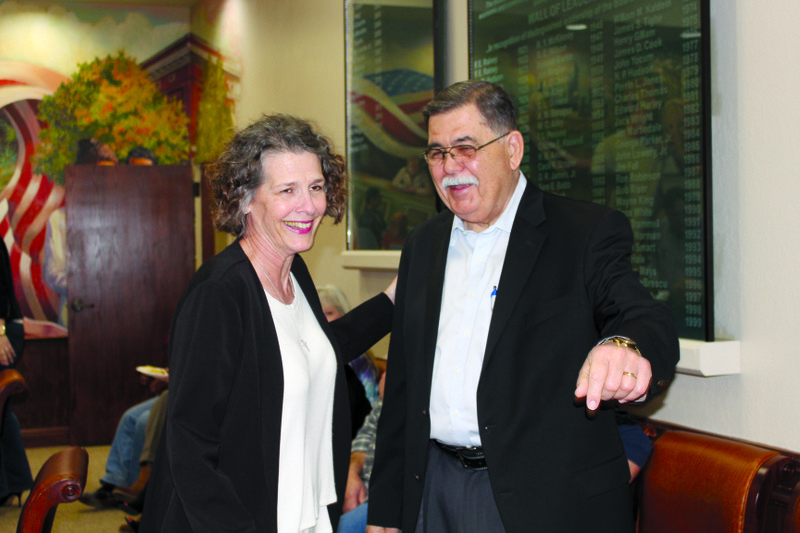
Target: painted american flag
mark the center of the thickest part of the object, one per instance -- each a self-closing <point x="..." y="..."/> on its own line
<point x="388" y="109"/>
<point x="28" y="198"/>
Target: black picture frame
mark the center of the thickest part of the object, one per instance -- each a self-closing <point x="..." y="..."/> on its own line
<point x="390" y="78"/>
<point x="614" y="103"/>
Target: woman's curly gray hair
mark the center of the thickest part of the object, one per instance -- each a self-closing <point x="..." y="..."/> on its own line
<point x="238" y="171"/>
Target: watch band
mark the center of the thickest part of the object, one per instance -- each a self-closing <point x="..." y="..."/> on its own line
<point x="2" y="329"/>
<point x="624" y="342"/>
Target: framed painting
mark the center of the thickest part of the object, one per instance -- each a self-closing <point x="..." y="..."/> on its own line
<point x="390" y="67"/>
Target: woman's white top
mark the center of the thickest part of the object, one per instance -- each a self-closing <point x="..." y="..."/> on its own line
<point x="305" y="472"/>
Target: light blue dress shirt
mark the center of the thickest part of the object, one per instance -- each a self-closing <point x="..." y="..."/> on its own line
<point x="474" y="264"/>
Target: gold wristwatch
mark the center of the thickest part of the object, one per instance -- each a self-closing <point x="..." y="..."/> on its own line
<point x="2" y="329"/>
<point x="624" y="342"/>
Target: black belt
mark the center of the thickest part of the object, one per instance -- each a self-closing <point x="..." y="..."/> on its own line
<point x="470" y="456"/>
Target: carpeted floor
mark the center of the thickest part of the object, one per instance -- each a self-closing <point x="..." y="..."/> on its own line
<point x="73" y="517"/>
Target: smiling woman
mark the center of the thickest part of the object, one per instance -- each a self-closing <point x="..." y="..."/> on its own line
<point x="286" y="210"/>
<point x="258" y="422"/>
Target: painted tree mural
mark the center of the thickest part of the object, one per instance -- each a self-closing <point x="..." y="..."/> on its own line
<point x="114" y="101"/>
<point x="214" y="118"/>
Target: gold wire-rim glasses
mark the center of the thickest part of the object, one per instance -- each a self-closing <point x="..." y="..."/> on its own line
<point x="460" y="153"/>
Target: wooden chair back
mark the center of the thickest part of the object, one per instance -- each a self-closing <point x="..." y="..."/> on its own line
<point x="60" y="480"/>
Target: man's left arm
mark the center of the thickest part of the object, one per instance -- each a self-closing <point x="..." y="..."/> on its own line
<point x="638" y="349"/>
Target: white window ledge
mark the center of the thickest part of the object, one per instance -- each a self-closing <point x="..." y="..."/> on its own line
<point x="371" y="259"/>
<point x="706" y="359"/>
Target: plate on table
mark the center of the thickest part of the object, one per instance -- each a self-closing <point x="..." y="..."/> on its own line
<point x="153" y="371"/>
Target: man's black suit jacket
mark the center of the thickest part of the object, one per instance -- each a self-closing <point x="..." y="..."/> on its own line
<point x="566" y="283"/>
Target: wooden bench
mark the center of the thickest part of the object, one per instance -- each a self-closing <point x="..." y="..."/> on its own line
<point x="699" y="482"/>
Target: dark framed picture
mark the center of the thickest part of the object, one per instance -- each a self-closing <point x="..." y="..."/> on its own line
<point x="390" y="67"/>
<point x="614" y="105"/>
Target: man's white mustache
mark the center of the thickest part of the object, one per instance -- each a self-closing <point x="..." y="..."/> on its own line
<point x="452" y="181"/>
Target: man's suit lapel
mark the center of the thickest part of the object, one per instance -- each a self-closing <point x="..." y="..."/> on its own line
<point x="524" y="244"/>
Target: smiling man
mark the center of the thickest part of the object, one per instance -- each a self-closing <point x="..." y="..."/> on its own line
<point x="518" y="321"/>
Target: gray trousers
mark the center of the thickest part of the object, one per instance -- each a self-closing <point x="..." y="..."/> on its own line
<point x="456" y="499"/>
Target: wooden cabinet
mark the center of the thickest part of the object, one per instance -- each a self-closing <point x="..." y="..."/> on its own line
<point x="130" y="236"/>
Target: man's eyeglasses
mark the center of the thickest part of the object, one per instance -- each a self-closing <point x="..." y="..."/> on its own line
<point x="462" y="153"/>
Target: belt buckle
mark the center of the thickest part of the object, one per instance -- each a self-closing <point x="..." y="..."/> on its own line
<point x="471" y="463"/>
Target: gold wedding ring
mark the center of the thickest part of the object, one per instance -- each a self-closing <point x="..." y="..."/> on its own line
<point x="631" y="374"/>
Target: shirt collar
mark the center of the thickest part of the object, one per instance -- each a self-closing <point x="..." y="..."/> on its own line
<point x="506" y="219"/>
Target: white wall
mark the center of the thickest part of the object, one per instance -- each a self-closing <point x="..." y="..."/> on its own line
<point x="294" y="62"/>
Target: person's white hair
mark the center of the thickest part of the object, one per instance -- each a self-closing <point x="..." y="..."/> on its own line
<point x="331" y="295"/>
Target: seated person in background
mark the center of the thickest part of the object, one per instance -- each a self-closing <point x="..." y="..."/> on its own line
<point x="354" y="511"/>
<point x="132" y="498"/>
<point x="122" y="465"/>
